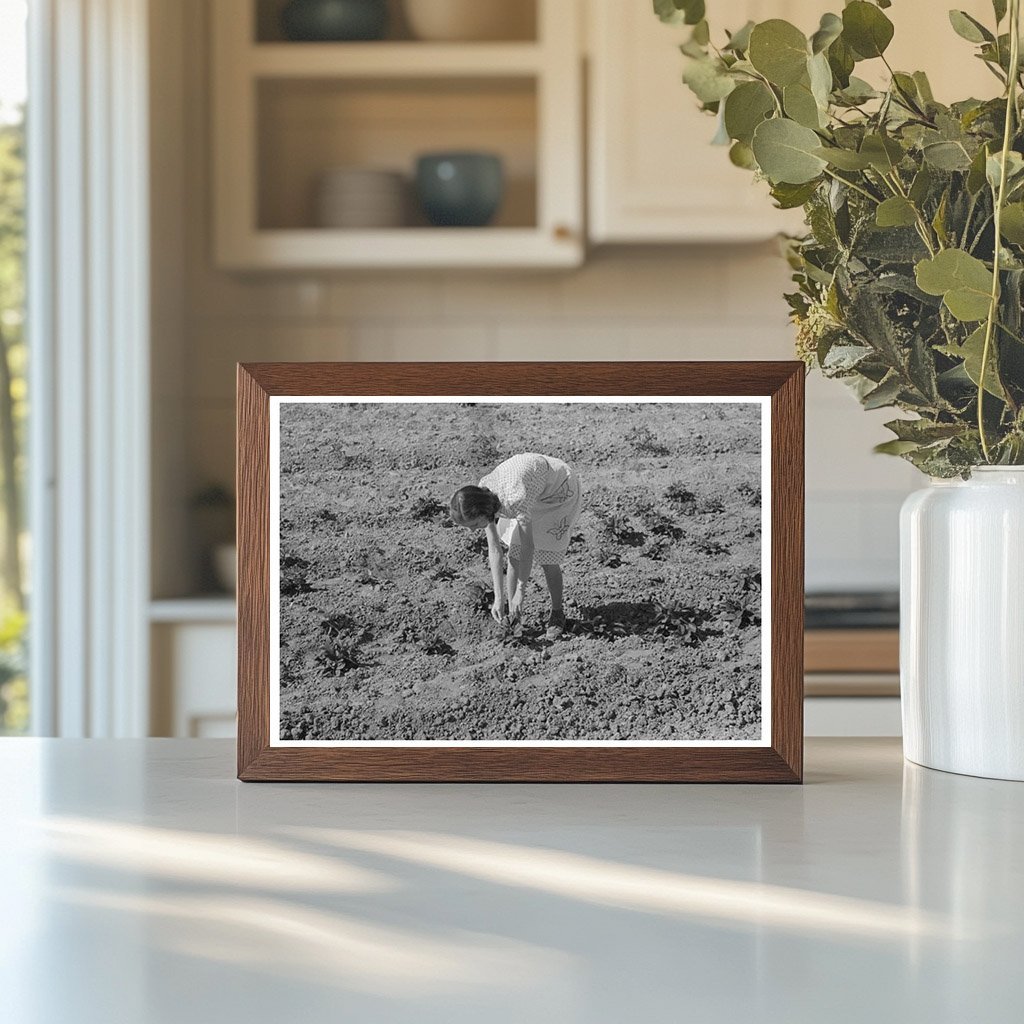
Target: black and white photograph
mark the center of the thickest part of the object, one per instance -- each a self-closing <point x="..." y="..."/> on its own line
<point x="524" y="571"/>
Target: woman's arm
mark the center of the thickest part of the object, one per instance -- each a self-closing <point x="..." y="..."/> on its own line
<point x="494" y="559"/>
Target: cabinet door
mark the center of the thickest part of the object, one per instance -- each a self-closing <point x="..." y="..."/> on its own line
<point x="653" y="174"/>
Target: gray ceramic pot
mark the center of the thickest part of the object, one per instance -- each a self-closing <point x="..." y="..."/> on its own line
<point x="334" y="20"/>
<point x="460" y="189"/>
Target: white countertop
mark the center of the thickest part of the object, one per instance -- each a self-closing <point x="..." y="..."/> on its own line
<point x="143" y="885"/>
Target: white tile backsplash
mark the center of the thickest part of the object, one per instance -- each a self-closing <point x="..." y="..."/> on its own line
<point x="715" y="303"/>
<point x="647" y="302"/>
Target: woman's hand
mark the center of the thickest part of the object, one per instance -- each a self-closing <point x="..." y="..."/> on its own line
<point x="515" y="607"/>
<point x="498" y="611"/>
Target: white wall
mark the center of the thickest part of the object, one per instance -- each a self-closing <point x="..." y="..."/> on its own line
<point x="655" y="303"/>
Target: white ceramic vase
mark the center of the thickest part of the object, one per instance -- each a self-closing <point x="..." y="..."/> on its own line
<point x="962" y="624"/>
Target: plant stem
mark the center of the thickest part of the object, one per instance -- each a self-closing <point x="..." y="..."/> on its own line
<point x="922" y="225"/>
<point x="981" y="231"/>
<point x="993" y="309"/>
<point x="768" y="85"/>
<point x="969" y="218"/>
<point x="855" y="187"/>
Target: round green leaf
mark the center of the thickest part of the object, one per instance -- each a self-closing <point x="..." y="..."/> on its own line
<point x="785" y="152"/>
<point x="747" y="106"/>
<point x="789" y="197"/>
<point x="708" y="81"/>
<point x="800" y="105"/>
<point x="963" y="281"/>
<point x="972" y="353"/>
<point x="866" y="29"/>
<point x="740" y="39"/>
<point x="743" y="156"/>
<point x="820" y="76"/>
<point x="829" y="30"/>
<point x="779" y="51"/>
<point x="841" y="62"/>
<point x="895" y="212"/>
<point x="947" y="156"/>
<point x="882" y="152"/>
<point x="1012" y="223"/>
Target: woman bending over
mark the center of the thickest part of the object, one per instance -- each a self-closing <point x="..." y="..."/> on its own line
<point x="527" y="503"/>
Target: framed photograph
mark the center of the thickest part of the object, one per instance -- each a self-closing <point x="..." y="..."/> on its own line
<point x="519" y="572"/>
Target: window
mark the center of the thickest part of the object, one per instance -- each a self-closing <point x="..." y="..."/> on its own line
<point x="14" y="549"/>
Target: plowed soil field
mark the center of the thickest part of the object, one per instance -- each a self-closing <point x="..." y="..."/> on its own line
<point x="385" y="631"/>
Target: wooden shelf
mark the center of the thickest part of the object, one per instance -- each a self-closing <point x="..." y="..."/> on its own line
<point x="401" y="247"/>
<point x="393" y="60"/>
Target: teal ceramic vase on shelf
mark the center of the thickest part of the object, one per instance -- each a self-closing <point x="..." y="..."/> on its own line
<point x="334" y="20"/>
<point x="461" y="190"/>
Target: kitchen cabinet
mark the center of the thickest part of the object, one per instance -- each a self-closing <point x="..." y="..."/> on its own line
<point x="653" y="175"/>
<point x="286" y="113"/>
<point x="192" y="649"/>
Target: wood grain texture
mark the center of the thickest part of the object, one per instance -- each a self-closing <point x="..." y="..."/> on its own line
<point x="783" y="382"/>
<point x="252" y="487"/>
<point x="852" y="650"/>
<point x="787" y="626"/>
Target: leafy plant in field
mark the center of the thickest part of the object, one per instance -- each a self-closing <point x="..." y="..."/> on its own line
<point x="425" y="509"/>
<point x="709" y="546"/>
<point x="909" y="281"/>
<point x="741" y="612"/>
<point x="294" y="575"/>
<point x="421" y="631"/>
<point x="340" y="653"/>
<point x="750" y="493"/>
<point x="644" y="441"/>
<point x="681" y="622"/>
<point x="618" y="530"/>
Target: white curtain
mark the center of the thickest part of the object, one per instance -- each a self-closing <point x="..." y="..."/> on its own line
<point x="88" y="318"/>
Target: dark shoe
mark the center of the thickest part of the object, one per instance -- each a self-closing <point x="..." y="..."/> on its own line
<point x="556" y="625"/>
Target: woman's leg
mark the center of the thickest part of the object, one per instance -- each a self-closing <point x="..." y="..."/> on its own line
<point x="553" y="576"/>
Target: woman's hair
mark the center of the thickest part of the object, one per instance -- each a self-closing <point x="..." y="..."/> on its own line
<point x="471" y="502"/>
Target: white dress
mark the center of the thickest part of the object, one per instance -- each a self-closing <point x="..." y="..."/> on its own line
<point x="539" y="490"/>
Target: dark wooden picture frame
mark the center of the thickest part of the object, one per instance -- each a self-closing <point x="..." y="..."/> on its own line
<point x="780" y="761"/>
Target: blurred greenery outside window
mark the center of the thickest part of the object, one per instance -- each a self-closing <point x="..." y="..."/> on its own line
<point x="14" y="702"/>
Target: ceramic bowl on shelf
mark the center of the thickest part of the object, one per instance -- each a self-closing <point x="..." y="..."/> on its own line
<point x="361" y="198"/>
<point x="470" y="20"/>
<point x="332" y="21"/>
<point x="460" y="189"/>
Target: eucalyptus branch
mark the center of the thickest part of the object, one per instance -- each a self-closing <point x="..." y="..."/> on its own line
<point x="923" y="227"/>
<point x="865" y="282"/>
<point x="1000" y="199"/>
<point x="853" y="185"/>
